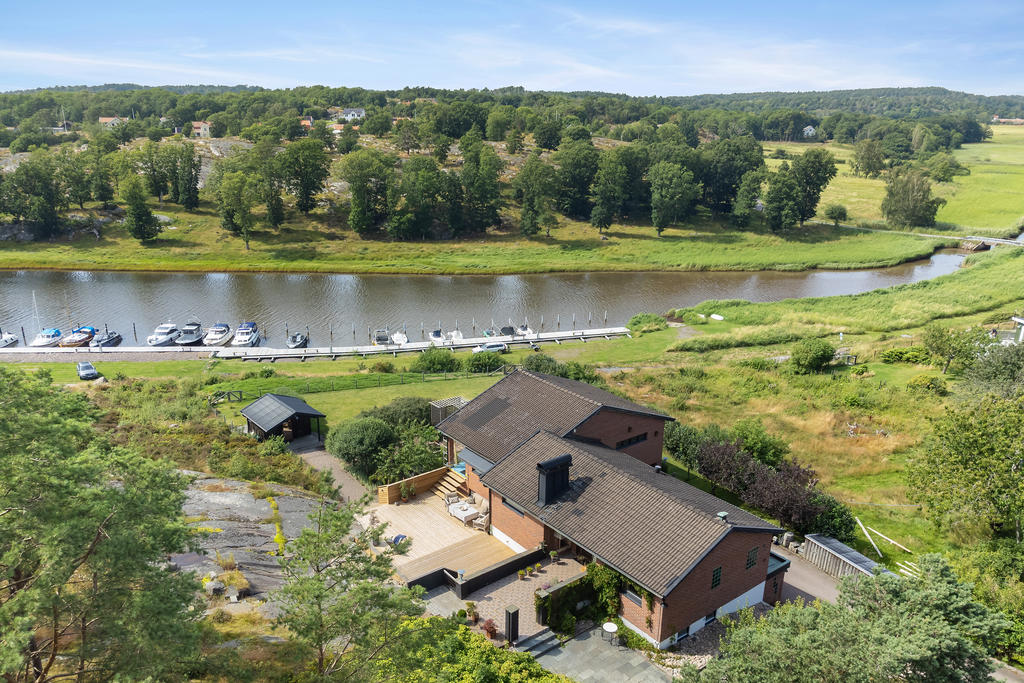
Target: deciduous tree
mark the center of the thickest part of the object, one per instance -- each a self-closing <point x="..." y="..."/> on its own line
<point x="536" y="186"/>
<point x="812" y="171"/>
<point x="673" y="194"/>
<point x="139" y="220"/>
<point x="304" y="165"/>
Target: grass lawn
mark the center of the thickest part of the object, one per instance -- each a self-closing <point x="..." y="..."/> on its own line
<point x="990" y="201"/>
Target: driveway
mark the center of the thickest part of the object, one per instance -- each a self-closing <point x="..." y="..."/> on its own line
<point x="805" y="580"/>
<point x="316" y="457"/>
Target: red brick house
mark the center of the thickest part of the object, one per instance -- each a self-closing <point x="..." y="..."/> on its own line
<point x="572" y="467"/>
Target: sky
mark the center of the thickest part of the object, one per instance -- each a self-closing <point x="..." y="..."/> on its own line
<point x="639" y="47"/>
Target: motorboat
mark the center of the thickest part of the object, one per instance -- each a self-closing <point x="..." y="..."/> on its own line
<point x="79" y="336"/>
<point x="455" y="336"/>
<point x="218" y="335"/>
<point x="507" y="331"/>
<point x="524" y="330"/>
<point x="7" y="339"/>
<point x="48" y="337"/>
<point x="399" y="338"/>
<point x="436" y="337"/>
<point x="490" y="332"/>
<point x="106" y="338"/>
<point x="163" y="335"/>
<point x="297" y="340"/>
<point x="191" y="333"/>
<point x="247" y="334"/>
<point x="381" y="338"/>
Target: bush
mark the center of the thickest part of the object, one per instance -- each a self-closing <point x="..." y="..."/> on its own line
<point x="483" y="362"/>
<point x="683" y="441"/>
<point x="435" y="359"/>
<point x="359" y="441"/>
<point x="542" y="363"/>
<point x="916" y="355"/>
<point x="835" y="213"/>
<point x="383" y="366"/>
<point x="927" y="384"/>
<point x="401" y="411"/>
<point x="760" y="364"/>
<point x="835" y="519"/>
<point x="646" y="322"/>
<point x="812" y="355"/>
<point x="758" y="442"/>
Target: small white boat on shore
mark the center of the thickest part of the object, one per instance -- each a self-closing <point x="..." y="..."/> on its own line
<point x="48" y="337"/>
<point x="7" y="339"/>
<point x="163" y="335"/>
<point x="436" y="337"/>
<point x="247" y="334"/>
<point x="218" y="335"/>
<point x="399" y="338"/>
<point x="524" y="330"/>
<point x="455" y="336"/>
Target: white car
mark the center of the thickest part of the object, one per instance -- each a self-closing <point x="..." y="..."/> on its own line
<point x="491" y="347"/>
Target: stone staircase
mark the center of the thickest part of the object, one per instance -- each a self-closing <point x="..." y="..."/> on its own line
<point x="448" y="483"/>
<point x="539" y="643"/>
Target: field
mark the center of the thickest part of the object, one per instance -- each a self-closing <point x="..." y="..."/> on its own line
<point x="989" y="201"/>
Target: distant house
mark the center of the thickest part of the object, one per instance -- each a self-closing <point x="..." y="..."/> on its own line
<point x="568" y="466"/>
<point x="200" y="129"/>
<point x="306" y="121"/>
<point x="111" y="121"/>
<point x="277" y="415"/>
<point x="339" y="128"/>
<point x="349" y="114"/>
<point x="1011" y="122"/>
<point x="809" y="132"/>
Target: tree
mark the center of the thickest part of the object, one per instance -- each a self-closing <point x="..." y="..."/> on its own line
<point x="812" y="171"/>
<point x="34" y="193"/>
<point x="406" y="135"/>
<point x="377" y="124"/>
<point x="971" y="472"/>
<point x="514" y="141"/>
<point x="954" y="346"/>
<point x="536" y="186"/>
<point x="1000" y="371"/>
<point x="782" y="200"/>
<point x="882" y="627"/>
<point x="498" y="122"/>
<point x="85" y="530"/>
<point x="610" y="191"/>
<point x="236" y="195"/>
<point x="417" y="203"/>
<point x="348" y="140"/>
<point x="417" y="450"/>
<point x="577" y="163"/>
<point x="812" y="355"/>
<point x="747" y="196"/>
<point x="442" y="146"/>
<point x="370" y="174"/>
<point x="320" y="132"/>
<point x="304" y="166"/>
<point x="673" y="194"/>
<point x="153" y="162"/>
<point x="74" y="178"/>
<point x="186" y="180"/>
<point x="725" y="162"/>
<point x="338" y="597"/>
<point x="480" y="171"/>
<point x="100" y="185"/>
<point x="402" y="410"/>
<point x="486" y="361"/>
<point x="139" y="220"/>
<point x="908" y="199"/>
<point x="358" y="442"/>
<point x="435" y="359"/>
<point x="756" y="440"/>
<point x="547" y="133"/>
<point x="868" y="158"/>
<point x="836" y="213"/>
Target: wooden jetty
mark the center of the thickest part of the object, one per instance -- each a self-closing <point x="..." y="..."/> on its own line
<point x="267" y="353"/>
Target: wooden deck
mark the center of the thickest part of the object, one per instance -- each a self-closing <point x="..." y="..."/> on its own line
<point x="438" y="539"/>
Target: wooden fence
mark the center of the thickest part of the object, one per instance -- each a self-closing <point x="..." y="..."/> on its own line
<point x="422" y="483"/>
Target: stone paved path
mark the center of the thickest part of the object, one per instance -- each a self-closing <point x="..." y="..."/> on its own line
<point x="589" y="658"/>
<point x="351" y="488"/>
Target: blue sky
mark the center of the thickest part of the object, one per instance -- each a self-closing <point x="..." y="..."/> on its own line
<point x="640" y="48"/>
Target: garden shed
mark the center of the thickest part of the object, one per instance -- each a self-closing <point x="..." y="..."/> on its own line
<point x="277" y="415"/>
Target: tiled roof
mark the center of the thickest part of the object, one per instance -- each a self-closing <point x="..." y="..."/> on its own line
<point x="651" y="527"/>
<point x="271" y="410"/>
<point x="519" y="405"/>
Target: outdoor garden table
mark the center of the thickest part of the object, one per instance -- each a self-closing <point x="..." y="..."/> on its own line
<point x="611" y="629"/>
<point x="464" y="512"/>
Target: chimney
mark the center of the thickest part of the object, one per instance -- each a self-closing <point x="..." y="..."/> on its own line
<point x="552" y="478"/>
<point x="724" y="516"/>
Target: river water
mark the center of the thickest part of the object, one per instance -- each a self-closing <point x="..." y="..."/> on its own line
<point x="349" y="304"/>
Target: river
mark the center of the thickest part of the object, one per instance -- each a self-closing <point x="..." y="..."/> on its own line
<point x="344" y="303"/>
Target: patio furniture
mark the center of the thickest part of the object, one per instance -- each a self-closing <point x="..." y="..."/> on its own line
<point x="451" y="497"/>
<point x="464" y="512"/>
<point x="482" y="522"/>
<point x="611" y="629"/>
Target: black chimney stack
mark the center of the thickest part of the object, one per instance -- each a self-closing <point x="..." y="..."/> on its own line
<point x="552" y="478"/>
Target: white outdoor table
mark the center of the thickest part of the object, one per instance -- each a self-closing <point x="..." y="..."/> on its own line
<point x="464" y="512"/>
<point x="611" y="629"/>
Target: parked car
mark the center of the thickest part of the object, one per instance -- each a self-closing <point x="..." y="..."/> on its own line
<point x="491" y="347"/>
<point x="87" y="371"/>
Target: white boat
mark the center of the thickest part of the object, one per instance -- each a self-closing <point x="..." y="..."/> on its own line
<point x="163" y="335"/>
<point x="455" y="336"/>
<point x="79" y="336"/>
<point x="191" y="333"/>
<point x="399" y="338"/>
<point x="246" y="335"/>
<point x="8" y="339"/>
<point x="524" y="330"/>
<point x="48" y="337"/>
<point x="218" y="335"/>
<point x="436" y="337"/>
<point x="381" y="338"/>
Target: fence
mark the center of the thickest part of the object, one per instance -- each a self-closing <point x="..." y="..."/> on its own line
<point x="836" y="558"/>
<point x="465" y="585"/>
<point x="421" y="483"/>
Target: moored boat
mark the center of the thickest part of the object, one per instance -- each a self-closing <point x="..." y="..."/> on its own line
<point x="163" y="335"/>
<point x="247" y="334"/>
<point x="191" y="333"/>
<point x="381" y="338"/>
<point x="79" y="336"/>
<point x="48" y="337"/>
<point x="436" y="337"/>
<point x="455" y="336"/>
<point x="218" y="335"/>
<point x="297" y="340"/>
<point x="399" y="338"/>
<point x="106" y="338"/>
<point x="507" y="331"/>
<point x="524" y="330"/>
<point x="7" y="339"/>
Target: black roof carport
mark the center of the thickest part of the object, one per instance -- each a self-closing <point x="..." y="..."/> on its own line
<point x="270" y="411"/>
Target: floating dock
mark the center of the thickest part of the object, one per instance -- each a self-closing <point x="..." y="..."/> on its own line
<point x="271" y="354"/>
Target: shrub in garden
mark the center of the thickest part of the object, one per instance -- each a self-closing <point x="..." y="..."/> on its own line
<point x="435" y="359"/>
<point x="926" y="384"/>
<point x="812" y="355"/>
<point x="401" y="410"/>
<point x="358" y="442"/>
<point x="541" y="362"/>
<point x="483" y="362"/>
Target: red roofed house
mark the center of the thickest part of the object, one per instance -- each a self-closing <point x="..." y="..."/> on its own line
<point x="200" y="129"/>
<point x="111" y="121"/>
<point x="573" y="467"/>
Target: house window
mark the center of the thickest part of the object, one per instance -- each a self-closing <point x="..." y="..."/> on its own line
<point x="716" y="577"/>
<point x="709" y="619"/>
<point x="512" y="507"/>
<point x="751" y="558"/>
<point x="626" y="443"/>
<point x="633" y="596"/>
<point x="682" y="635"/>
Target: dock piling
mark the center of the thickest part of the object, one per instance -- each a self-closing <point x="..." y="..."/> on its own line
<point x="24" y="339"/>
<point x="134" y="334"/>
